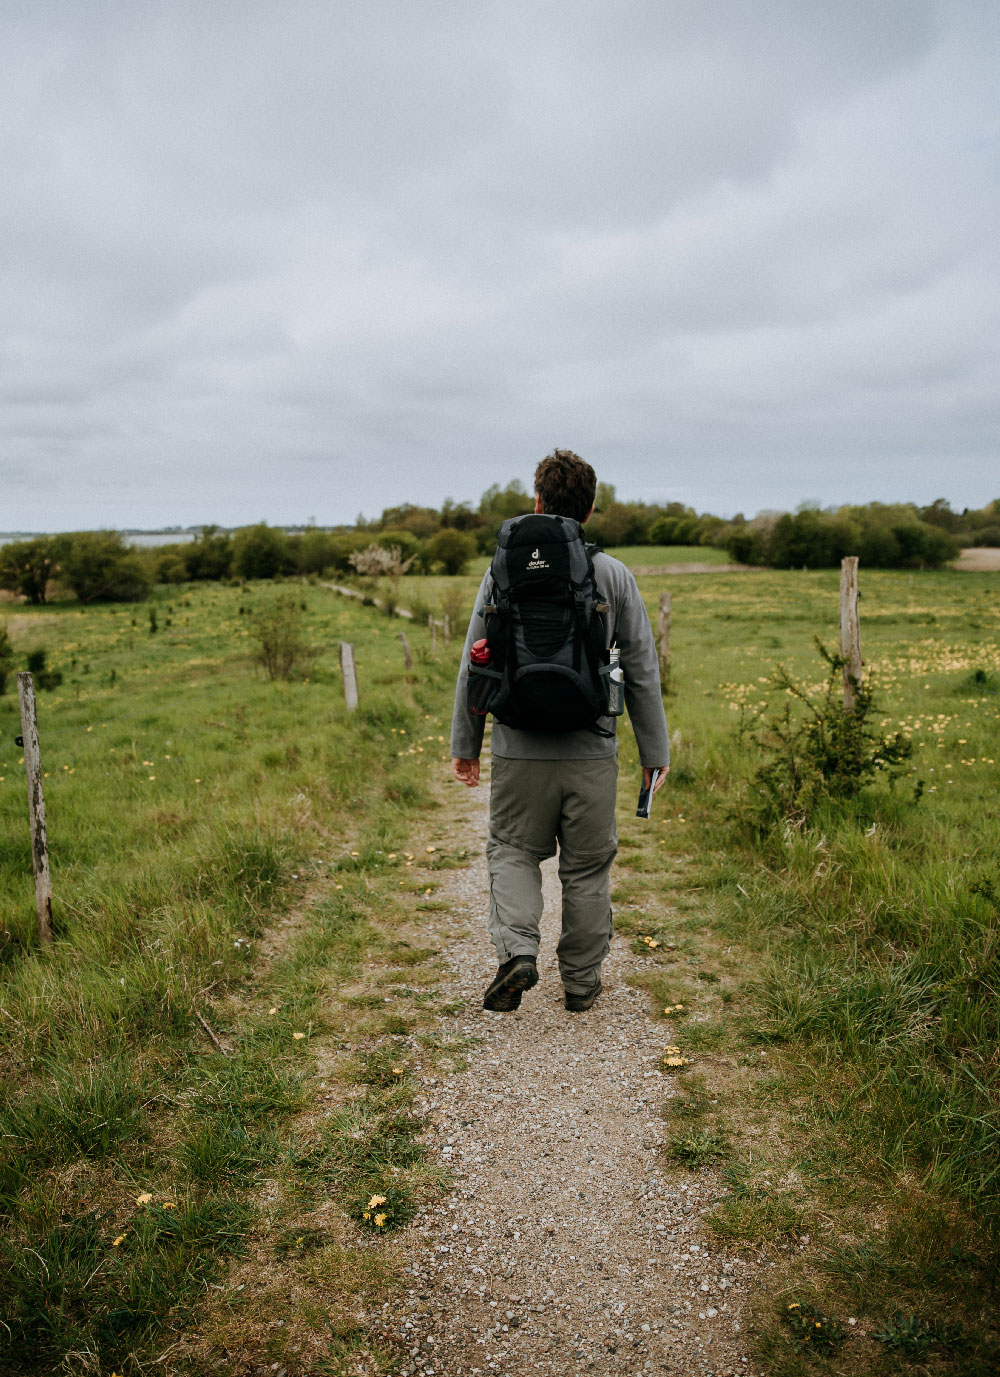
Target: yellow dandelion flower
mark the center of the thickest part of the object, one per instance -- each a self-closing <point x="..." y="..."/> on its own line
<point x="119" y="1240"/>
<point x="430" y="849"/>
<point x="170" y="1204"/>
<point x="143" y="1199"/>
<point x="397" y="1070"/>
<point x="375" y="1201"/>
<point x="367" y="1214"/>
<point x="676" y="1061"/>
<point x="297" y="1036"/>
<point x="272" y="1011"/>
<point x="380" y="1220"/>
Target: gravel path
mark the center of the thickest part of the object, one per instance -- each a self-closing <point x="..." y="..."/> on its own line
<point x="565" y="1245"/>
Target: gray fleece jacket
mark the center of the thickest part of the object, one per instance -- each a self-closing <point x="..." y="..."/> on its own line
<point x="627" y="626"/>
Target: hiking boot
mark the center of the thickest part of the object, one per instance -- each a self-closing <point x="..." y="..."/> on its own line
<point x="515" y="976"/>
<point x="576" y="1003"/>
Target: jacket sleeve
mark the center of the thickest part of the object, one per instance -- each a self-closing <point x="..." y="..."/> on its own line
<point x="466" y="727"/>
<point x="641" y="666"/>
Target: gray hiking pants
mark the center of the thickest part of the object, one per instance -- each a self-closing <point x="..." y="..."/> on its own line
<point x="535" y="805"/>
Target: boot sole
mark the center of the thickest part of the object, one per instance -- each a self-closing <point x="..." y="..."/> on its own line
<point x="505" y="995"/>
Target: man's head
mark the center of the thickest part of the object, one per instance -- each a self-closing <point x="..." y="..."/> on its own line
<point x="565" y="485"/>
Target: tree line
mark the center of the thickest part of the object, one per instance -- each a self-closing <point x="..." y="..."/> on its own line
<point x="96" y="566"/>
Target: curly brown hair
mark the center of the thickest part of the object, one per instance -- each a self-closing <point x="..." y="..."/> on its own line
<point x="566" y="485"/>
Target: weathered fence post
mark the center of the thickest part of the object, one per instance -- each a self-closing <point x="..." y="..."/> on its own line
<point x="447" y="629"/>
<point x="36" y="806"/>
<point x="434" y="634"/>
<point x="407" y="657"/>
<point x="663" y="631"/>
<point x="850" y="629"/>
<point x="350" y="677"/>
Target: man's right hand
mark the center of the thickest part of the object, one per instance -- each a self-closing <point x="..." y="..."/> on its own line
<point x="465" y="771"/>
<point x="647" y="775"/>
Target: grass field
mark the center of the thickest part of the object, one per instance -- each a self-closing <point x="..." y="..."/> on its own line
<point x="157" y="1065"/>
<point x="647" y="556"/>
<point x="229" y="864"/>
<point x="839" y="978"/>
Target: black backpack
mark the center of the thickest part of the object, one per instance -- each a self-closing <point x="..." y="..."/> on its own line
<point x="548" y="669"/>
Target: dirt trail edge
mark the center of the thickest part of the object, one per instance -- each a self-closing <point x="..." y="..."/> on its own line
<point x="566" y="1245"/>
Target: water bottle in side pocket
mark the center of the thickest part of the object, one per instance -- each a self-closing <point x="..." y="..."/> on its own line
<point x="616" y="684"/>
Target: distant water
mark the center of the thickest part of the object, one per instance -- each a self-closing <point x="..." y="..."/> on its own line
<point x="147" y="539"/>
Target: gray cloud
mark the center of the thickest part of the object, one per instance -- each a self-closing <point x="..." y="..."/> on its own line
<point x="316" y="259"/>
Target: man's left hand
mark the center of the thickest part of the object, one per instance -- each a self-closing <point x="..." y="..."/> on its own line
<point x="465" y="771"/>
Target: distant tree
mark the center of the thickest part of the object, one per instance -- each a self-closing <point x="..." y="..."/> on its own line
<point x="620" y="523"/>
<point x="210" y="554"/>
<point x="498" y="504"/>
<point x="451" y="549"/>
<point x="26" y="566"/>
<point x="261" y="552"/>
<point x="418" y="521"/>
<point x="811" y="538"/>
<point x="170" y="565"/>
<point x="408" y="546"/>
<point x="313" y="551"/>
<point x="746" y="544"/>
<point x="100" y="567"/>
<point x="662" y="531"/>
<point x="343" y="544"/>
<point x="460" y="515"/>
<point x="939" y="513"/>
<point x="605" y="496"/>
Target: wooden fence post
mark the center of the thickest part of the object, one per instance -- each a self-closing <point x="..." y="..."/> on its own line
<point x="447" y="629"/>
<point x="850" y="629"/>
<point x="36" y="807"/>
<point x="350" y="677"/>
<point x="434" y="633"/>
<point x="663" y="630"/>
<point x="407" y="657"/>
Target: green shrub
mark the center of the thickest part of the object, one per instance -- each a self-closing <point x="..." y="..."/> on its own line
<point x="451" y="549"/>
<point x="818" y="749"/>
<point x="281" y="647"/>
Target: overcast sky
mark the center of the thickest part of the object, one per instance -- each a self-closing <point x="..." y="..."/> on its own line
<point x="314" y="257"/>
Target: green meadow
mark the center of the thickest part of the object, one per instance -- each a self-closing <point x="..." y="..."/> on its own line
<point x="240" y="867"/>
<point x="158" y="1063"/>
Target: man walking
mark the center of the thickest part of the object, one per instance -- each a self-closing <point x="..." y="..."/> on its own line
<point x="556" y="788"/>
